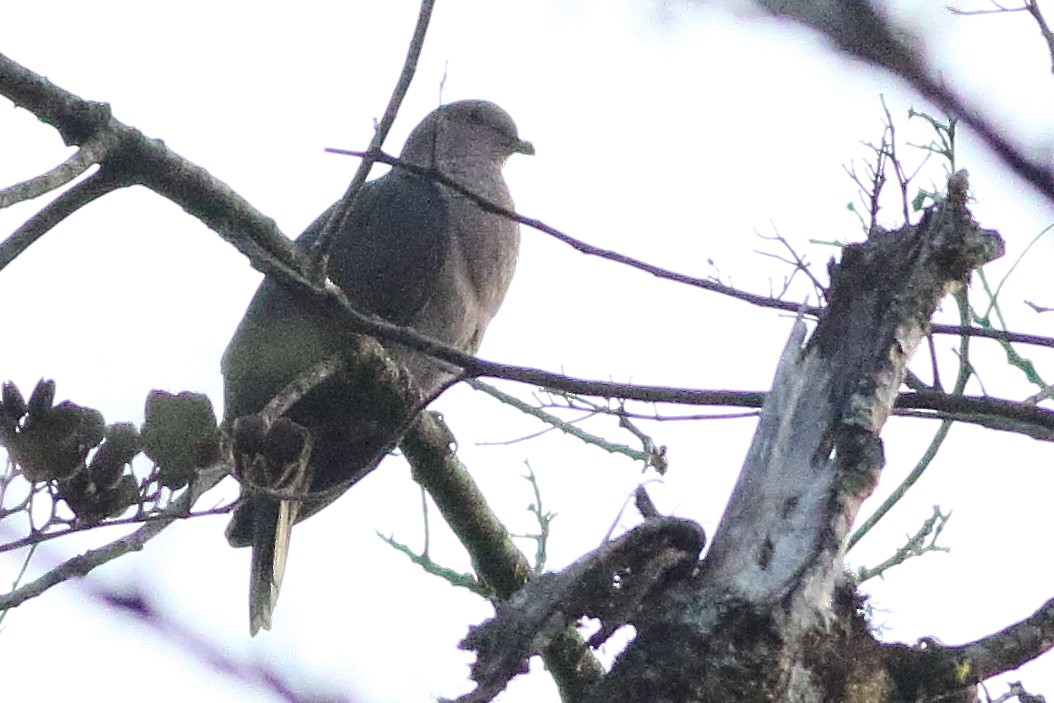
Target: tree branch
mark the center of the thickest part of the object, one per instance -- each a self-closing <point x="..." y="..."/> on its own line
<point x="90" y="189"/>
<point x="774" y="569"/>
<point x="82" y="564"/>
<point x="135" y="159"/>
<point x="858" y="30"/>
<point x="95" y="150"/>
<point x="1010" y="647"/>
<point x="580" y="246"/>
<point x="338" y="218"/>
<point x="497" y="560"/>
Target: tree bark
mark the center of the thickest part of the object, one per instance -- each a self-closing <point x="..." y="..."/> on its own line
<point x="770" y="614"/>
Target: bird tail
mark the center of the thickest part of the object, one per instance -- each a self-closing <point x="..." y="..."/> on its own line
<point x="272" y="527"/>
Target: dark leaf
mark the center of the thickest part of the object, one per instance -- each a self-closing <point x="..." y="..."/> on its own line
<point x="121" y="444"/>
<point x="56" y="441"/>
<point x="179" y="435"/>
<point x="14" y="405"/>
<point x="92" y="505"/>
<point x="249" y="434"/>
<point x="42" y="398"/>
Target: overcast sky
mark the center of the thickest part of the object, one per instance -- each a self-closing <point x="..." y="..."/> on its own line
<point x="676" y="133"/>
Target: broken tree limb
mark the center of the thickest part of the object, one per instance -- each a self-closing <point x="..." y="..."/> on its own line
<point x="769" y="616"/>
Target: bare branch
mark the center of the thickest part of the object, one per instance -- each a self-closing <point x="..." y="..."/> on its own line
<point x="858" y="30"/>
<point x="901" y="490"/>
<point x="997" y="10"/>
<point x="90" y="189"/>
<point x="1033" y="9"/>
<point x="1010" y="647"/>
<point x="612" y="583"/>
<point x="559" y="424"/>
<point x="775" y="563"/>
<point x="923" y="541"/>
<point x="135" y="159"/>
<point x="454" y="578"/>
<point x="665" y="274"/>
<point x="94" y="151"/>
<point x="496" y="559"/>
<point x="833" y="396"/>
<point x="82" y="564"/>
<point x="544" y="519"/>
<point x="338" y="218"/>
<point x="38" y="537"/>
<point x="576" y="244"/>
<point x="1016" y="690"/>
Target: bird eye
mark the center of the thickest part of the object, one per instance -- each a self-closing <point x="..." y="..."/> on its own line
<point x="476" y="117"/>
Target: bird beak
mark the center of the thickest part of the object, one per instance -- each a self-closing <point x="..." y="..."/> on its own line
<point x="522" y="146"/>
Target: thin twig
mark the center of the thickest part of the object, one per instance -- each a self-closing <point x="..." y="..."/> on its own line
<point x="659" y="272"/>
<point x="923" y="541"/>
<point x="90" y="189"/>
<point x="93" y="151"/>
<point x="148" y="162"/>
<point x="576" y="244"/>
<point x="558" y="423"/>
<point x="497" y="560"/>
<point x="82" y="564"/>
<point x="1033" y="9"/>
<point x="456" y="579"/>
<point x="340" y="215"/>
<point x="861" y="32"/>
<point x="930" y="453"/>
<point x="38" y="537"/>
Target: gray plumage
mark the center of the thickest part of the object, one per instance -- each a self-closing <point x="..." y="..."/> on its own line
<point x="412" y="252"/>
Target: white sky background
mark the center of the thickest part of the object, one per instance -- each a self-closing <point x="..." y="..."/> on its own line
<point x="671" y="134"/>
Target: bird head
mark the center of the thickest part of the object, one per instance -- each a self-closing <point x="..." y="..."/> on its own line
<point x="467" y="131"/>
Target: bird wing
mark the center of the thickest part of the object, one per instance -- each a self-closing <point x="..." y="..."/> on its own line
<point x="386" y="258"/>
<point x="389" y="253"/>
